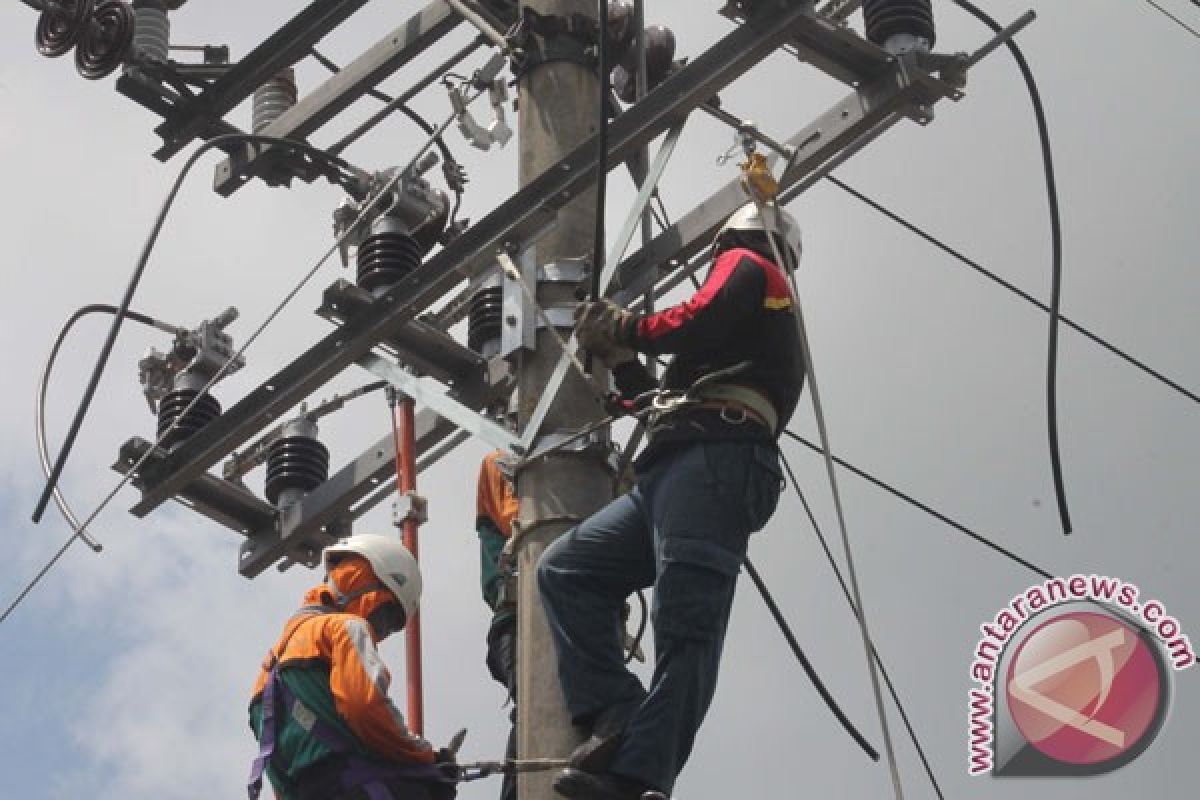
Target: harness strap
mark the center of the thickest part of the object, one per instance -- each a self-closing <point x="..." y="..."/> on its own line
<point x="751" y="400"/>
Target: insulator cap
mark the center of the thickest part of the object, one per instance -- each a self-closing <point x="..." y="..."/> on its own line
<point x="295" y="462"/>
<point x="887" y="18"/>
<point x="172" y="406"/>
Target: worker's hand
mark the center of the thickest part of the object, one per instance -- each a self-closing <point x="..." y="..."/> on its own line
<point x="446" y="760"/>
<point x="599" y="326"/>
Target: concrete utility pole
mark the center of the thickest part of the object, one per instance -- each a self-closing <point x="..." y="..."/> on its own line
<point x="558" y="111"/>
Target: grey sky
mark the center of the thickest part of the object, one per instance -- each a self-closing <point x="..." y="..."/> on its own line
<point x="126" y="673"/>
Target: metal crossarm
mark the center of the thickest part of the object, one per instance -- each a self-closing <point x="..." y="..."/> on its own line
<point x="518" y="218"/>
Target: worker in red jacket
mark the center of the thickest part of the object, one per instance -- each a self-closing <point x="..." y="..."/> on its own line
<point x="320" y="709"/>
<point x="708" y="478"/>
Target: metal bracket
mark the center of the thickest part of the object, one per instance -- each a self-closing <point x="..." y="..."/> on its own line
<point x="520" y="318"/>
<point x="433" y="395"/>
<point x="410" y="506"/>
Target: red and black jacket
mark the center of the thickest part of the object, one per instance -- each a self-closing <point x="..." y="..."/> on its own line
<point x="743" y="312"/>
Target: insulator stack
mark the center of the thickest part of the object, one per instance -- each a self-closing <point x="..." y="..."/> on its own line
<point x="386" y="256"/>
<point x="900" y="25"/>
<point x="172" y="407"/>
<point x="274" y="98"/>
<point x="58" y="30"/>
<point x="297" y="463"/>
<point x="485" y="318"/>
<point x="106" y="41"/>
<point x="151" y="30"/>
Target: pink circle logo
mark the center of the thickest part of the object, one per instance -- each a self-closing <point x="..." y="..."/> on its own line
<point x="1084" y="688"/>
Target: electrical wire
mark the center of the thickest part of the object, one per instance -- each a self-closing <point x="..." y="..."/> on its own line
<point x="1035" y="97"/>
<point x="789" y="266"/>
<point x="598" y="243"/>
<point x="1010" y="555"/>
<point x="1007" y="285"/>
<point x="368" y="206"/>
<point x="644" y="617"/>
<point x="450" y="162"/>
<point x="1176" y="19"/>
<point x="817" y="683"/>
<point x="134" y="279"/>
<point x="887" y="679"/>
<point x="60" y="499"/>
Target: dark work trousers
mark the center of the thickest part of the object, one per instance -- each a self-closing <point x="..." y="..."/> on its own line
<point x="682" y="529"/>
<point x="502" y="663"/>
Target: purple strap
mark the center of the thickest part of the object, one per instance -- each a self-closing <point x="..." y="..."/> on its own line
<point x="266" y="744"/>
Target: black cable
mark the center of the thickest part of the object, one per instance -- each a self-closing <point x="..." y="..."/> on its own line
<point x="912" y="733"/>
<point x="918" y="504"/>
<point x="40" y="401"/>
<point x="1176" y="19"/>
<point x="333" y="175"/>
<point x="806" y="664"/>
<point x="601" y="161"/>
<point x="1056" y="266"/>
<point x="1009" y="286"/>
<point x="641" y="630"/>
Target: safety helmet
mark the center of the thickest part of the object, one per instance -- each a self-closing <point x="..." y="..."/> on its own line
<point x="777" y="221"/>
<point x="391" y="562"/>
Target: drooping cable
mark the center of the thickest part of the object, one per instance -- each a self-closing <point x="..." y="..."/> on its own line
<point x="789" y="266"/>
<point x="817" y="683"/>
<point x="643" y="619"/>
<point x="136" y="277"/>
<point x="1007" y="285"/>
<point x="1035" y="97"/>
<point x="1176" y="19"/>
<point x="887" y="679"/>
<point x="367" y="208"/>
<point x="60" y="499"/>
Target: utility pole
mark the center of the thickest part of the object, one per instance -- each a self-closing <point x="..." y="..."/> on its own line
<point x="557" y="102"/>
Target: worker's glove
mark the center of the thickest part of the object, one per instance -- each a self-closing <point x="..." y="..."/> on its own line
<point x="600" y="325"/>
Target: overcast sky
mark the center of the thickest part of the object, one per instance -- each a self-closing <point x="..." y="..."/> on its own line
<point x="126" y="674"/>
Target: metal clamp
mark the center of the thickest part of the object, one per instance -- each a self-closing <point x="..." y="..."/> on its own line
<point x="410" y="506"/>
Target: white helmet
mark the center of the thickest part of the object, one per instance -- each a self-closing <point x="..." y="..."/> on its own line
<point x="390" y="561"/>
<point x="778" y="221"/>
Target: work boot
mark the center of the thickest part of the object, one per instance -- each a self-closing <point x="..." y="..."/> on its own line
<point x="579" y="785"/>
<point x="598" y="750"/>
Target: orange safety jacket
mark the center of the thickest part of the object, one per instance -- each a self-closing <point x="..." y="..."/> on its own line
<point x="330" y="662"/>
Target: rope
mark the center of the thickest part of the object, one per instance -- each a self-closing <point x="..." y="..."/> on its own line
<point x="819" y="413"/>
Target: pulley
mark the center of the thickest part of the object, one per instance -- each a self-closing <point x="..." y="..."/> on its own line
<point x="59" y="28"/>
<point x="387" y="255"/>
<point x="107" y="40"/>
<point x="297" y="463"/>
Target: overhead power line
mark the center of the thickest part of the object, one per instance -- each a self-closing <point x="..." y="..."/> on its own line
<point x="887" y="679"/>
<point x="1176" y="19"/>
<point x="1029" y="565"/>
<point x="975" y="265"/>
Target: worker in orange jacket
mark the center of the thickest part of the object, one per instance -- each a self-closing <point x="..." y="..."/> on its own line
<point x="495" y="510"/>
<point x="320" y="709"/>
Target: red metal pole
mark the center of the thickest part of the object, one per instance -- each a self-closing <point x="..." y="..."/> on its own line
<point x="404" y="434"/>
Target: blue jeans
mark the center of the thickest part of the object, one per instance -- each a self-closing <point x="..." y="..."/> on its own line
<point x="682" y="529"/>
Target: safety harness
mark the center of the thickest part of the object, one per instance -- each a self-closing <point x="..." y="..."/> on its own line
<point x="358" y="772"/>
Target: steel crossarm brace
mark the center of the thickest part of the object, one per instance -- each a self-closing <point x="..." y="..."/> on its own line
<point x="517" y="219"/>
<point x="279" y="50"/>
<point x="429" y="393"/>
<point x="224" y="502"/>
<point x="426" y="349"/>
<point x="844" y="128"/>
<point x="312" y="520"/>
<point x="385" y="57"/>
